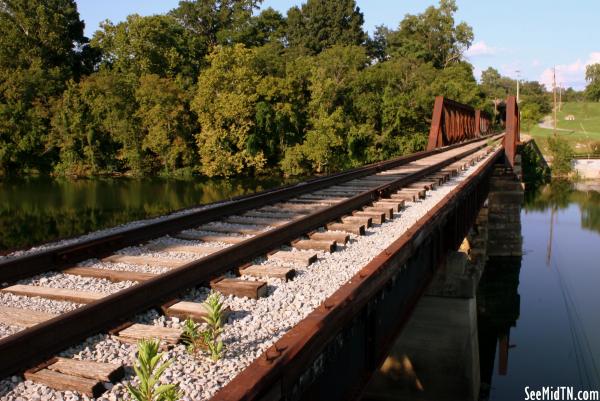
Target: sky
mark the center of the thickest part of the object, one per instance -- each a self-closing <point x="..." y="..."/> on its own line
<point x="529" y="36"/>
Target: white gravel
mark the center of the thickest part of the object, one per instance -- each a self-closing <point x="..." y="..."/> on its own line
<point x="36" y="303"/>
<point x="72" y="282"/>
<point x="254" y="325"/>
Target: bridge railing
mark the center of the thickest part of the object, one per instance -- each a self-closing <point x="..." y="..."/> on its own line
<point x="454" y="122"/>
<point x="513" y="130"/>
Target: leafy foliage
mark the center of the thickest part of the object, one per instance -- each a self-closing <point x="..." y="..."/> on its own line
<point x="320" y="24"/>
<point x="592" y="76"/>
<point x="149" y="372"/>
<point x="213" y="87"/>
<point x="561" y="154"/>
<point x="432" y="36"/>
<point x="207" y="340"/>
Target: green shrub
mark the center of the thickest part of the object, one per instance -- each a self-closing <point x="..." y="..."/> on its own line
<point x="561" y="154"/>
<point x="209" y="339"/>
<point x="149" y="372"/>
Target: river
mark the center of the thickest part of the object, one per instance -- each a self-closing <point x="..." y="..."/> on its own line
<point x="545" y="328"/>
<point x="40" y="209"/>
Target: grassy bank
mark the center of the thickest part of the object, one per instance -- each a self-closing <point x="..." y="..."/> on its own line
<point x="582" y="134"/>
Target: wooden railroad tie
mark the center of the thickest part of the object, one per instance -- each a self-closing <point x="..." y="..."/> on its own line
<point x="302" y="258"/>
<point x="387" y="211"/>
<point x="195" y="249"/>
<point x="23" y="317"/>
<point x="294" y="207"/>
<point x="311" y="244"/>
<point x="278" y="211"/>
<point x="192" y="310"/>
<point x="256" y="221"/>
<point x="338" y="237"/>
<point x="231" y="229"/>
<point x="282" y="273"/>
<point x="376" y="217"/>
<point x="351" y="228"/>
<point x="366" y="221"/>
<point x="112" y="275"/>
<point x="146" y="261"/>
<point x="426" y="185"/>
<point x="311" y="202"/>
<point x="86" y="377"/>
<point x="240" y="288"/>
<point x="405" y="196"/>
<point x="395" y="204"/>
<point x="421" y="193"/>
<point x="135" y="332"/>
<point x="227" y="239"/>
<point x="58" y="294"/>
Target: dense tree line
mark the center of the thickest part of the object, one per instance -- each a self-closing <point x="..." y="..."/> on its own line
<point x="217" y="87"/>
<point x="534" y="100"/>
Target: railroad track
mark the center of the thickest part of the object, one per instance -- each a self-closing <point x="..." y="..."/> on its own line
<point x="141" y="268"/>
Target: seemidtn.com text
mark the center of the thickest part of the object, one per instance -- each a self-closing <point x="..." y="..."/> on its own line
<point x="560" y="393"/>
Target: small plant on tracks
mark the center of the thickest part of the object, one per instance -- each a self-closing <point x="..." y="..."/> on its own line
<point x="149" y="372"/>
<point x="208" y="339"/>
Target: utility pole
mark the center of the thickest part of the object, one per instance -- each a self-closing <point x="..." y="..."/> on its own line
<point x="554" y="95"/>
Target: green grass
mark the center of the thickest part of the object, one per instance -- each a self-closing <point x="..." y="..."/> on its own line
<point x="583" y="134"/>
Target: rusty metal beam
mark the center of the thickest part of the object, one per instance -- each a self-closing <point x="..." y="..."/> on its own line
<point x="453" y="122"/>
<point x="513" y="130"/>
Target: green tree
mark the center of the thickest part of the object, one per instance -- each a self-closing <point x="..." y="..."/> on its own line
<point x="82" y="146"/>
<point x="432" y="36"/>
<point x="592" y="76"/>
<point x="225" y="104"/>
<point x="319" y="24"/>
<point x="166" y="121"/>
<point x="41" y="47"/>
<point x="215" y="22"/>
<point x="156" y="44"/>
<point x="495" y="87"/>
<point x="96" y="120"/>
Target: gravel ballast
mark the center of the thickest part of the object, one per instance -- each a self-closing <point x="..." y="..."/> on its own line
<point x="253" y="326"/>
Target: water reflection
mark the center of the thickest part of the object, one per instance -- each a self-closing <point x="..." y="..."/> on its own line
<point x="38" y="209"/>
<point x="538" y="320"/>
<point x="498" y="306"/>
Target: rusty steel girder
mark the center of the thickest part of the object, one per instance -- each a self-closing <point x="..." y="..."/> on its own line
<point x="513" y="130"/>
<point x="454" y="122"/>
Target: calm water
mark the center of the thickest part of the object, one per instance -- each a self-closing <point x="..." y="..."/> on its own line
<point x="544" y="329"/>
<point x="37" y="210"/>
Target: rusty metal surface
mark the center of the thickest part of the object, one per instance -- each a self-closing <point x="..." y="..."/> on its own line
<point x="454" y="122"/>
<point x="15" y="268"/>
<point x="333" y="351"/>
<point x="36" y="343"/>
<point x="513" y="130"/>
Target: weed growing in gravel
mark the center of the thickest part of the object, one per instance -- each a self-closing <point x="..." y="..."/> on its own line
<point x="208" y="339"/>
<point x="149" y="373"/>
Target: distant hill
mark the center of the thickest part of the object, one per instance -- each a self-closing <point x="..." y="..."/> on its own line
<point x="583" y="133"/>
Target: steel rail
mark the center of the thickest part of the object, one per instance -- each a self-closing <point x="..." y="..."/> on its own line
<point x="37" y="343"/>
<point x="15" y="268"/>
<point x="274" y="374"/>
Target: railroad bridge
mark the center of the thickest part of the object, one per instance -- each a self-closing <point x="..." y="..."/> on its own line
<point x="336" y="350"/>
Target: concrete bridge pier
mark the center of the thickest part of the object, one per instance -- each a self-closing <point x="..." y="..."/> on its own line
<point x="436" y="357"/>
